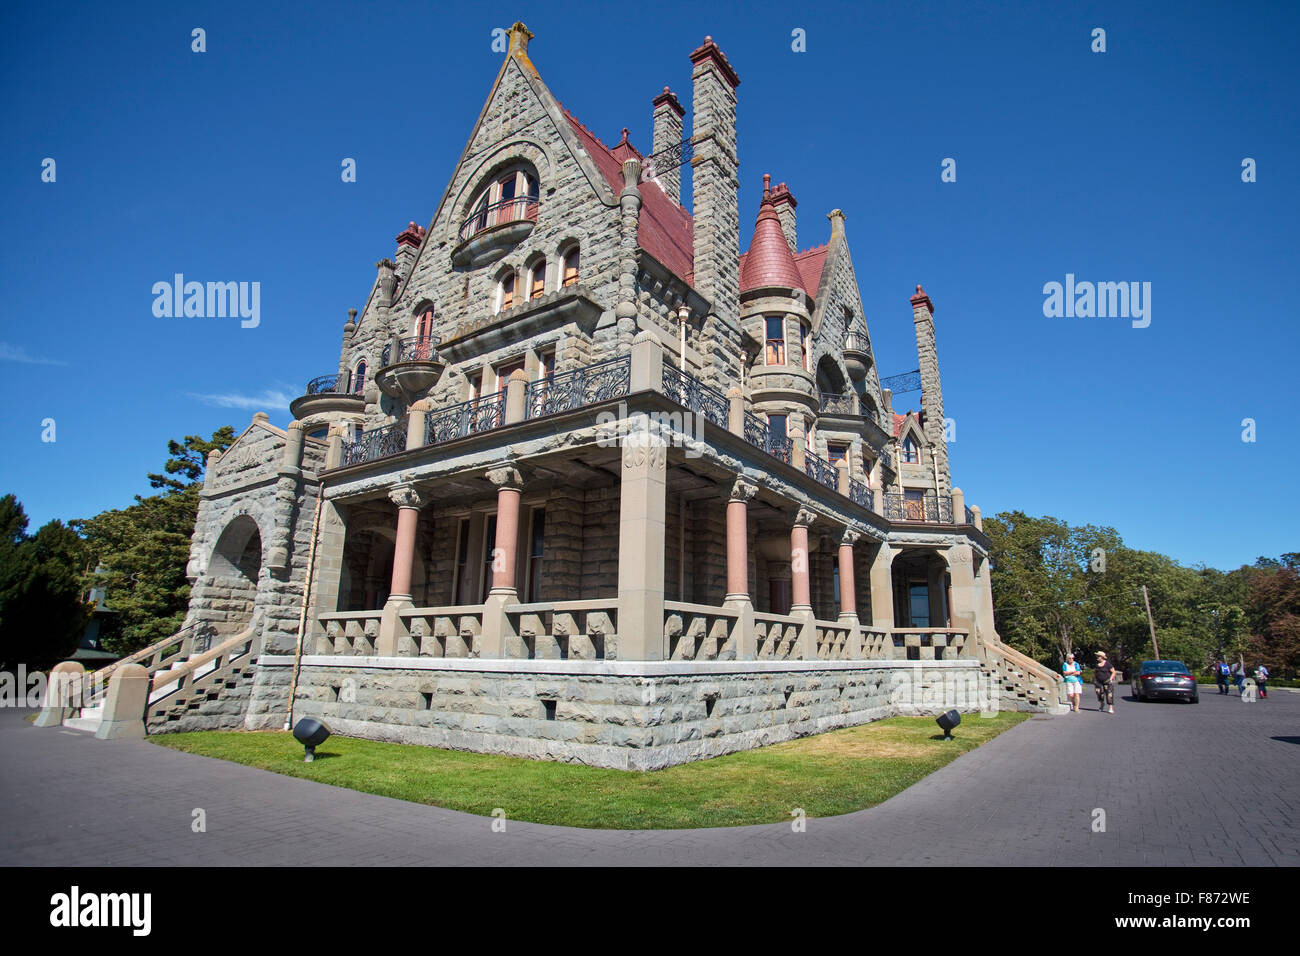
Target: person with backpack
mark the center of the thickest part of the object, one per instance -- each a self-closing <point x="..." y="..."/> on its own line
<point x="1239" y="676"/>
<point x="1221" y="673"/>
<point x="1261" y="678"/>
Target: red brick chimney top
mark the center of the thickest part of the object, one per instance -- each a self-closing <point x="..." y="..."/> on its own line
<point x="708" y="50"/>
<point x="411" y="235"/>
<point x="921" y="299"/>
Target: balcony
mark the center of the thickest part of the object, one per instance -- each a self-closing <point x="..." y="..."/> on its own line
<point x="492" y="231"/>
<point x="839" y="405"/>
<point x="409" y="367"/>
<point x="582" y="386"/>
<point x="930" y="509"/>
<point x="468" y="418"/>
<point x="328" y="394"/>
<point x="857" y="353"/>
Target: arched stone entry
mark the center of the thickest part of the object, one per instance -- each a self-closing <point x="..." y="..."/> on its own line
<point x="233" y="574"/>
<point x="921" y="585"/>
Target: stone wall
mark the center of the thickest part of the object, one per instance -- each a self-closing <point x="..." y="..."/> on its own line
<point x="603" y="714"/>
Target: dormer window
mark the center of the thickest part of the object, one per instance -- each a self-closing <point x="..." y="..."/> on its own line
<point x="911" y="453"/>
<point x="510" y="197"/>
<point x="569" y="270"/>
<point x="358" y="382"/>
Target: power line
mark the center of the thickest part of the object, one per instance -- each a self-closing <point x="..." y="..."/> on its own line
<point x="1099" y="597"/>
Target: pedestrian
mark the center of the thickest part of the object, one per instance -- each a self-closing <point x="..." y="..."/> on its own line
<point x="1103" y="681"/>
<point x="1221" y="673"/>
<point x="1073" y="682"/>
<point x="1261" y="678"/>
<point x="1238" y="675"/>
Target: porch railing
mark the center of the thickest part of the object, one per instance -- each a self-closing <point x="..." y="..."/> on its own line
<point x="376" y="443"/>
<point x="930" y="508"/>
<point x="523" y="208"/>
<point x="692" y="394"/>
<point x="332" y="384"/>
<point x="821" y="470"/>
<point x="834" y="404"/>
<point x="582" y="386"/>
<point x="423" y="348"/>
<point x="468" y="418"/>
<point x="860" y="494"/>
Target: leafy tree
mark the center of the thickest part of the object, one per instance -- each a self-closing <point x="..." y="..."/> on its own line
<point x="42" y="614"/>
<point x="145" y="548"/>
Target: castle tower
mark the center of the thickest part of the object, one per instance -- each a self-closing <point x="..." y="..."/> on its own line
<point x="927" y="355"/>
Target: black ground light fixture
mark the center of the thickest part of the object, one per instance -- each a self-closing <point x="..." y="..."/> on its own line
<point x="946" y="723"/>
<point x="311" y="733"/>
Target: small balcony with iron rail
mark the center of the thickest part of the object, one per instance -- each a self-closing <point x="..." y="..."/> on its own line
<point x="409" y="367"/>
<point x="490" y="231"/>
<point x="335" y="393"/>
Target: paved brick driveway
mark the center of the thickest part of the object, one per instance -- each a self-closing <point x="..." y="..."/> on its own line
<point x="1214" y="784"/>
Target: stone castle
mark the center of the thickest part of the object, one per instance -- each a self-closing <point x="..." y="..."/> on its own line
<point x="591" y="484"/>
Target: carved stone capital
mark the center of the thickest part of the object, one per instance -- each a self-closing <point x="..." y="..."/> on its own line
<point x="805" y="518"/>
<point x="742" y="489"/>
<point x="507" y="476"/>
<point x="850" y="537"/>
<point x="406" y="496"/>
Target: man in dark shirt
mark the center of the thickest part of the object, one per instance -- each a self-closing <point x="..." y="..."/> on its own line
<point x="1103" y="680"/>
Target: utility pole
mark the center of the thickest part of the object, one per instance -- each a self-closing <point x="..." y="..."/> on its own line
<point x="1146" y="600"/>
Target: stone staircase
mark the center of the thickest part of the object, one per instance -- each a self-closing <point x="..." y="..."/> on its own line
<point x="1022" y="683"/>
<point x="187" y="683"/>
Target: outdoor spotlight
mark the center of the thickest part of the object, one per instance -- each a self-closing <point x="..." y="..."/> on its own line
<point x="946" y="723"/>
<point x="311" y="733"/>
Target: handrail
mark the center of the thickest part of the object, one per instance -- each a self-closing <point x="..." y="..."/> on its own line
<point x="518" y="209"/>
<point x="99" y="678"/>
<point x="191" y="665"/>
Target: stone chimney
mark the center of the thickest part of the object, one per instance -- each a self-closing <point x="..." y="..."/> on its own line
<point x="927" y="355"/>
<point x="784" y="202"/>
<point x="716" y="208"/>
<point x="668" y="132"/>
<point x="408" y="244"/>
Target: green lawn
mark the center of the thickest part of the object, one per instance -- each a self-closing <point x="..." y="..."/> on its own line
<point x="828" y="774"/>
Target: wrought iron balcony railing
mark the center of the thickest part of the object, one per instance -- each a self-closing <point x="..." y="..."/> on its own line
<point x="860" y="494"/>
<point x="929" y="508"/>
<point x="376" y="443"/>
<point x="781" y="447"/>
<point x="855" y="340"/>
<point x="819" y="469"/>
<point x="468" y="418"/>
<point x="690" y="393"/>
<point x="970" y="516"/>
<point x="333" y="384"/>
<point x="582" y="386"/>
<point x="756" y="430"/>
<point x="422" y="348"/>
<point x="498" y="214"/>
<point x="833" y="404"/>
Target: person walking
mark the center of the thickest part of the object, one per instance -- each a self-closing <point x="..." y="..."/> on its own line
<point x="1239" y="676"/>
<point x="1103" y="681"/>
<point x="1073" y="682"/>
<point x="1221" y="674"/>
<point x="1261" y="678"/>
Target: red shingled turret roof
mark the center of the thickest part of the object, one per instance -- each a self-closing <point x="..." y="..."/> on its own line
<point x="769" y="262"/>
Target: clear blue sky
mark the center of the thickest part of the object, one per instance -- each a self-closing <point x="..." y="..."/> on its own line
<point x="1122" y="166"/>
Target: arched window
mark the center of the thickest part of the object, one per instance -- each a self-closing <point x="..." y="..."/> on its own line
<point x="425" y="339"/>
<point x="911" y="454"/>
<point x="775" y="351"/>
<point x="509" y="197"/>
<point x="569" y="270"/>
<point x="805" y="345"/>
<point x="537" y="279"/>
<point x="506" y="292"/>
<point x="358" y="378"/>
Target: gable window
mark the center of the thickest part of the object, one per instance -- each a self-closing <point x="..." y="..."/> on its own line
<point x="775" y="351"/>
<point x="537" y="279"/>
<point x="358" y="383"/>
<point x="911" y="454"/>
<point x="425" y="340"/>
<point x="569" y="271"/>
<point x="508" y="198"/>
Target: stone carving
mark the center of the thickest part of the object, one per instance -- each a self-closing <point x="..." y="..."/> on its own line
<point x="406" y="496"/>
<point x="805" y="518"/>
<point x="506" y="476"/>
<point x="743" y="490"/>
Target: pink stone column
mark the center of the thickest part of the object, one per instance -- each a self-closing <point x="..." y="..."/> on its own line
<point x="801" y="587"/>
<point x="848" y="594"/>
<point x="738" y="540"/>
<point x="408" y="516"/>
<point x="505" y="553"/>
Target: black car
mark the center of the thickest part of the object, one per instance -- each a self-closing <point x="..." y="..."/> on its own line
<point x="1160" y="679"/>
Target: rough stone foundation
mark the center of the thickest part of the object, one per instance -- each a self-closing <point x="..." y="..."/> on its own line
<point x="629" y="716"/>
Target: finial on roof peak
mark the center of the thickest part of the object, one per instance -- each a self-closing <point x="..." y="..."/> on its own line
<point x="519" y="37"/>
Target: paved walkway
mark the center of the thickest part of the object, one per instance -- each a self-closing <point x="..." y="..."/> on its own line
<point x="1215" y="784"/>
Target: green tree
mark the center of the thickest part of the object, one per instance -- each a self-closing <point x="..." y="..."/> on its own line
<point x="42" y="614"/>
<point x="145" y="548"/>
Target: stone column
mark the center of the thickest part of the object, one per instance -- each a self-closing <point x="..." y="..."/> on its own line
<point x="976" y="517"/>
<point x="393" y="637"/>
<point x="498" y="637"/>
<point x="882" y="594"/>
<point x="417" y="421"/>
<point x="64" y="692"/>
<point x="801" y="585"/>
<point x="738" y="596"/>
<point x="848" y="592"/>
<point x="630" y="208"/>
<point x="125" y="703"/>
<point x="965" y="595"/>
<point x="334" y="447"/>
<point x="647" y="370"/>
<point x="958" y="506"/>
<point x="642" y="525"/>
<point x="516" y="397"/>
<point x="736" y="411"/>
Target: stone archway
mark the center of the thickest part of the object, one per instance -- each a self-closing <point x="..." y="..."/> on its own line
<point x="233" y="574"/>
<point x="921" y="589"/>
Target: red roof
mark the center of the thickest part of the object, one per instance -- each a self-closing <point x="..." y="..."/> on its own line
<point x="810" y="263"/>
<point x="769" y="261"/>
<point x="898" y="423"/>
<point x="666" y="230"/>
